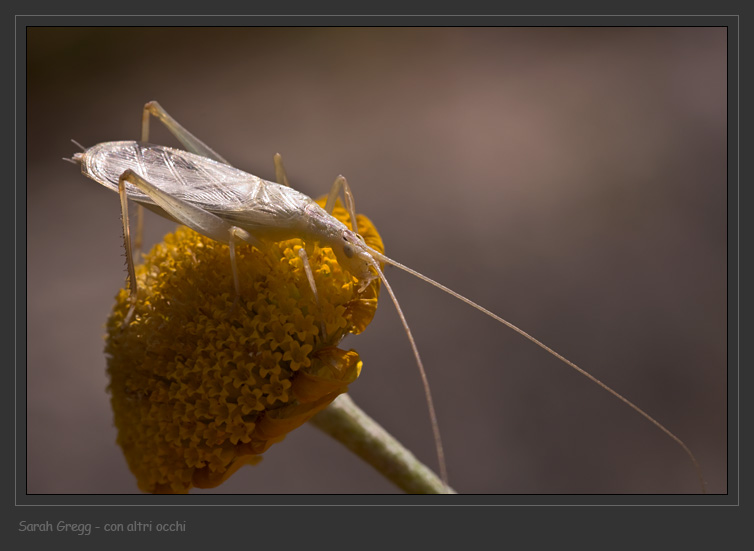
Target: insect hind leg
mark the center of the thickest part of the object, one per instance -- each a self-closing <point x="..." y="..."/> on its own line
<point x="129" y="253"/>
<point x="189" y="141"/>
<point x="196" y="218"/>
<point x="139" y="238"/>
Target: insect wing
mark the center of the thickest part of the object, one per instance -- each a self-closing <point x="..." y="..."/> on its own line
<point x="186" y="176"/>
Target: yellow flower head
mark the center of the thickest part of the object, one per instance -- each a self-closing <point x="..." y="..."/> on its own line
<point x="198" y="387"/>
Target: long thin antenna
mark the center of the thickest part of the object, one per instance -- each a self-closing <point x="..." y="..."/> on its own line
<point x="521" y="332"/>
<point x="423" y="373"/>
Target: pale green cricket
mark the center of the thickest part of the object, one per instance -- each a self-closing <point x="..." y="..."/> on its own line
<point x="200" y="189"/>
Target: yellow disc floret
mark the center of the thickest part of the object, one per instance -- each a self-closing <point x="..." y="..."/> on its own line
<point x="202" y="383"/>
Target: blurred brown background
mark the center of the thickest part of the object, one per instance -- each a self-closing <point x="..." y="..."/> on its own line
<point x="572" y="180"/>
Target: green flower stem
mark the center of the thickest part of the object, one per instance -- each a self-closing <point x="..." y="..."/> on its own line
<point x="347" y="423"/>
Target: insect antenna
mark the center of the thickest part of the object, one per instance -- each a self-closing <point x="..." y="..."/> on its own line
<point x="422" y="372"/>
<point x="382" y="258"/>
<point x="81" y="147"/>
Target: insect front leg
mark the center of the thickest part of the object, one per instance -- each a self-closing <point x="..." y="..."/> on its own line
<point x="196" y="218"/>
<point x="340" y="183"/>
<point x="313" y="285"/>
